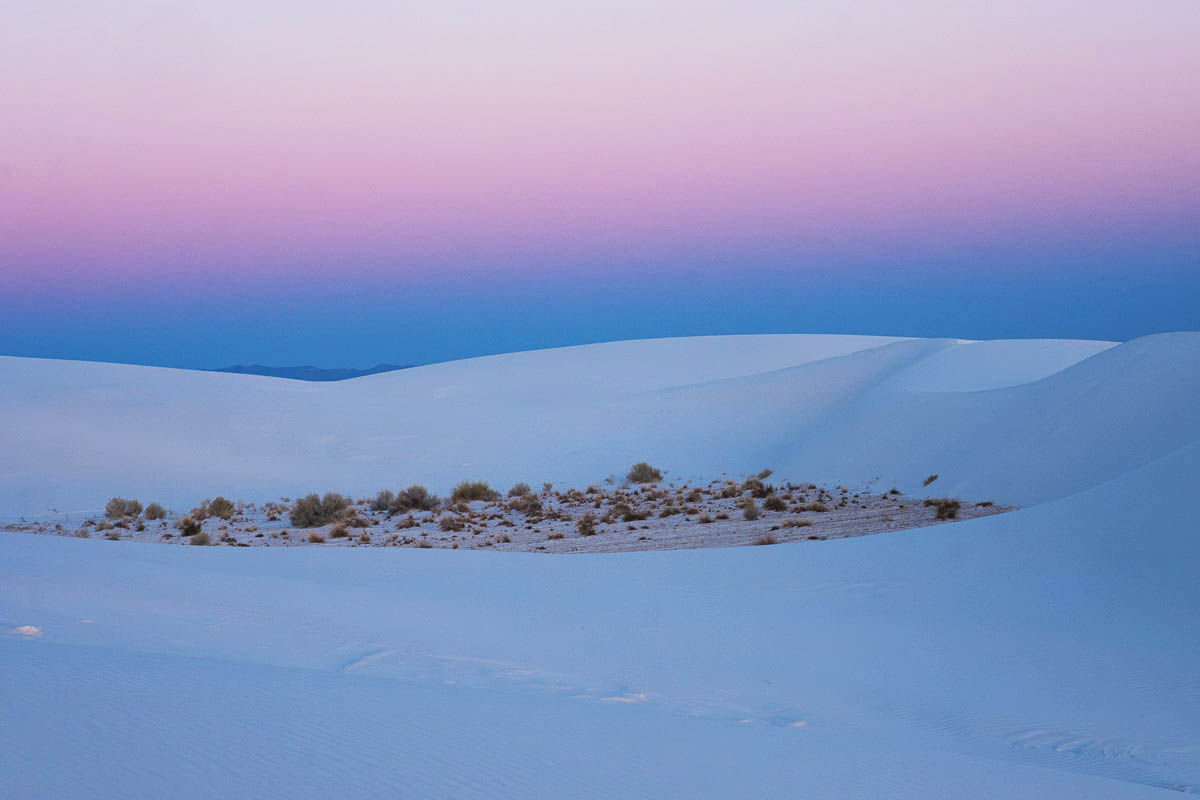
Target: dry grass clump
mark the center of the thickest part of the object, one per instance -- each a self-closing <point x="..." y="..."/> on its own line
<point x="188" y="526"/>
<point x="945" y="507"/>
<point x="797" y="523"/>
<point x="313" y="511"/>
<point x="766" y="539"/>
<point x="468" y="491"/>
<point x="408" y="522"/>
<point x="556" y="535"/>
<point x="339" y="531"/>
<point x="316" y="538"/>
<point x="424" y="544"/>
<point x="519" y="490"/>
<point x="750" y="509"/>
<point x="155" y="511"/>
<point x="200" y="539"/>
<point x="587" y="525"/>
<point x="414" y="498"/>
<point x="449" y="522"/>
<point x="774" y="503"/>
<point x="119" y="507"/>
<point x="221" y="507"/>
<point x="528" y="504"/>
<point x="816" y="508"/>
<point x="642" y="472"/>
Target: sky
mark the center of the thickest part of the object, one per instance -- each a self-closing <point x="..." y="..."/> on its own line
<point x="239" y="181"/>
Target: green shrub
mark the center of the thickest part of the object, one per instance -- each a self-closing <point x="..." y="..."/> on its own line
<point x="313" y="511"/>
<point x="155" y="511"/>
<point x="468" y="491"/>
<point x="642" y="472"/>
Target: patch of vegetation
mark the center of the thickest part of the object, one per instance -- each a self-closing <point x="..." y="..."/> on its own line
<point x="519" y="490"/>
<point x="314" y="511"/>
<point x="642" y="472"/>
<point x="774" y="503"/>
<point x="587" y="525"/>
<point x="468" y="491"/>
<point x="945" y="507"/>
<point x="188" y="526"/>
<point x="384" y="500"/>
<point x="221" y="507"/>
<point x="556" y="535"/>
<point x="119" y="507"/>
<point x="414" y="498"/>
<point x="766" y="539"/>
<point x="155" y="511"/>
<point x="750" y="509"/>
<point x="449" y="522"/>
<point x="200" y="539"/>
<point x="528" y="504"/>
<point x="316" y="538"/>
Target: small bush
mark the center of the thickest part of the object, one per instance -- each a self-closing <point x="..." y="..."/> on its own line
<point x="468" y="491"/>
<point x="556" y="535"/>
<point x="316" y="538"/>
<point x="774" y="503"/>
<point x="414" y="498"/>
<point x="586" y="525"/>
<point x="946" y="508"/>
<point x="188" y="526"/>
<point x="221" y="507"/>
<point x="451" y="523"/>
<point x="313" y="511"/>
<point x="119" y="507"/>
<point x="527" y="504"/>
<point x="408" y="522"/>
<point x="642" y="472"/>
<point x="339" y="532"/>
<point x="750" y="510"/>
<point x="520" y="490"/>
<point x="705" y="519"/>
<point x="155" y="511"/>
<point x="200" y="539"/>
<point x="383" y="501"/>
<point x="766" y="539"/>
<point x="929" y="480"/>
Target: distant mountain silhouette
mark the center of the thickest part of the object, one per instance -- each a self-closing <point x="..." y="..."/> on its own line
<point x="310" y="373"/>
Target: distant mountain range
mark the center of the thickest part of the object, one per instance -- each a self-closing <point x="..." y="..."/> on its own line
<point x="310" y="373"/>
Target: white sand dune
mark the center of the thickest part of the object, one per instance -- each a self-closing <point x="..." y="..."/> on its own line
<point x="1049" y="652"/>
<point x="1019" y="422"/>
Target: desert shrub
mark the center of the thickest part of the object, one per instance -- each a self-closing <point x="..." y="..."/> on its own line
<point x="766" y="539"/>
<point x="505" y="539"/>
<point x="383" y="501"/>
<point x="408" y="522"/>
<point x="520" y="490"/>
<point x="798" y="523"/>
<point x="586" y="525"/>
<point x="929" y="480"/>
<point x="316" y="538"/>
<point x="119" y="507"/>
<point x="467" y="491"/>
<point x="817" y="508"/>
<point x="339" y="531"/>
<point x="705" y="519"/>
<point x="200" y="539"/>
<point x="946" y="507"/>
<point x="355" y="521"/>
<point x="155" y="511"/>
<point x="642" y="472"/>
<point x="750" y="509"/>
<point x="556" y="535"/>
<point x="449" y="522"/>
<point x="730" y="491"/>
<point x="774" y="503"/>
<point x="527" y="504"/>
<point x="766" y="473"/>
<point x="628" y="514"/>
<point x="414" y="498"/>
<point x="188" y="526"/>
<point x="220" y="507"/>
<point x="313" y="511"/>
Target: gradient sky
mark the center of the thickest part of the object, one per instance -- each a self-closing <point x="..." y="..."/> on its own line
<point x="197" y="184"/>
